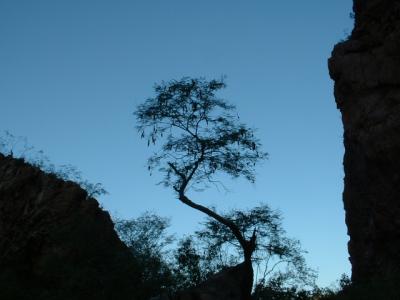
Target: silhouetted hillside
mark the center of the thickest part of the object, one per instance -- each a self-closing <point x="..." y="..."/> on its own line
<point x="57" y="244"/>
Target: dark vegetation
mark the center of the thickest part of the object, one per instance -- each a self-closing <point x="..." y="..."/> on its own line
<point x="170" y="264"/>
<point x="174" y="265"/>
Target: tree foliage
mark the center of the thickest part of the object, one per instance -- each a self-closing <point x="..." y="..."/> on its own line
<point x="188" y="264"/>
<point x="147" y="239"/>
<point x="201" y="134"/>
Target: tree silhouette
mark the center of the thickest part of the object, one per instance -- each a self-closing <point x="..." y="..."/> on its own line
<point x="275" y="255"/>
<point x="202" y="136"/>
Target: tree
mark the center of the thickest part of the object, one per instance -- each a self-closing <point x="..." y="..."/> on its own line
<point x="147" y="239"/>
<point x="188" y="269"/>
<point x="275" y="255"/>
<point x="167" y="267"/>
<point x="201" y="136"/>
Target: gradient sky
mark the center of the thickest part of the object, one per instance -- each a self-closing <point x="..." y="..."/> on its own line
<point x="73" y="71"/>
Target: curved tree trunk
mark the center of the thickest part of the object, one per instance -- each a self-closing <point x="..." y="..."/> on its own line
<point x="248" y="246"/>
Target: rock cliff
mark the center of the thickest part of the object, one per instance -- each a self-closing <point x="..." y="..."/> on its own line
<point x="55" y="243"/>
<point x="366" y="71"/>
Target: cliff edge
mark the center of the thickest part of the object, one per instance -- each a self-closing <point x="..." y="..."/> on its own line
<point x="366" y="71"/>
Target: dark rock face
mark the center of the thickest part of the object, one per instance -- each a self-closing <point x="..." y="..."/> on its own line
<point x="366" y="70"/>
<point x="55" y="243"/>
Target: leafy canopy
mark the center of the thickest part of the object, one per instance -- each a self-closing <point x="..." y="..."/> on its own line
<point x="202" y="134"/>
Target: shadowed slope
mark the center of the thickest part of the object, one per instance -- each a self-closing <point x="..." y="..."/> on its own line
<point x="55" y="243"/>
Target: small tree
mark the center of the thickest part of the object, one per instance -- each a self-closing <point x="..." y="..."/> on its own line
<point x="187" y="266"/>
<point x="147" y="238"/>
<point x="202" y="136"/>
<point x="275" y="254"/>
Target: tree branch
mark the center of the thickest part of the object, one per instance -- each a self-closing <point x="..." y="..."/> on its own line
<point x="232" y="226"/>
<point x="180" y="174"/>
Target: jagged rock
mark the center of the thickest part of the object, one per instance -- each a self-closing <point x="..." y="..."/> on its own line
<point x="55" y="243"/>
<point x="366" y="70"/>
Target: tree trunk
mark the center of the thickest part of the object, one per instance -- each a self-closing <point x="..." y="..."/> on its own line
<point x="248" y="280"/>
<point x="248" y="246"/>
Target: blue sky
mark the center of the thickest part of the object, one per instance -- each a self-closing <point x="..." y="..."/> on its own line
<point x="72" y="72"/>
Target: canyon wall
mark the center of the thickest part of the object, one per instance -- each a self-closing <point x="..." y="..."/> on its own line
<point x="366" y="71"/>
<point x="57" y="244"/>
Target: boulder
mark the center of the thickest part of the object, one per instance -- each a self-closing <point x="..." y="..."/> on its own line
<point x="229" y="284"/>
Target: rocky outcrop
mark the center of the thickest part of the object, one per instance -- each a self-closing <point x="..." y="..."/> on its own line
<point x="229" y="284"/>
<point x="55" y="243"/>
<point x="366" y="71"/>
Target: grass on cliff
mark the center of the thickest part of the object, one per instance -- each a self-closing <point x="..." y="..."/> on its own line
<point x="18" y="147"/>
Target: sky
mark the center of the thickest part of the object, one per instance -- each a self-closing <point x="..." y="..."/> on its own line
<point x="72" y="73"/>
